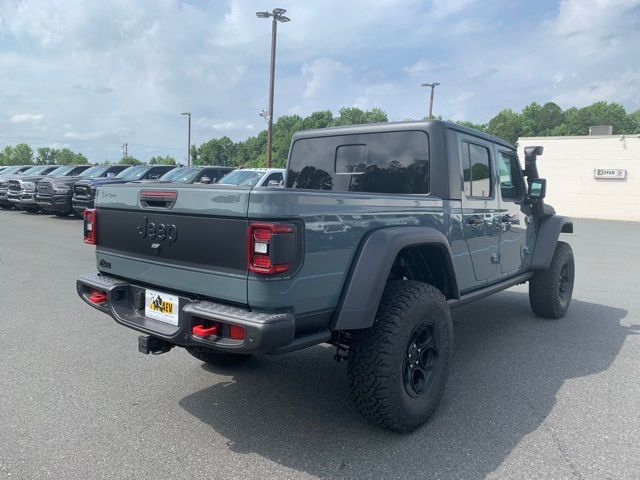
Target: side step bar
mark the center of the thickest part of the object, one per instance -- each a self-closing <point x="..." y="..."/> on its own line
<point x="490" y="290"/>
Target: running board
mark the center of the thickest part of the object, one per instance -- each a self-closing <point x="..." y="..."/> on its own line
<point x="490" y="290"/>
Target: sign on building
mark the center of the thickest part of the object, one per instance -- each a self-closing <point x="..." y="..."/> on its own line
<point x="615" y="173"/>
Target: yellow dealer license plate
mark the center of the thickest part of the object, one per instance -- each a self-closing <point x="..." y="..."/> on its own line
<point x="161" y="306"/>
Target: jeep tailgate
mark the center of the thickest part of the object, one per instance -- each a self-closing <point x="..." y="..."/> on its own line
<point x="191" y="240"/>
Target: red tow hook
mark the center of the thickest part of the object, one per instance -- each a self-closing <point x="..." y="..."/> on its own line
<point x="202" y="331"/>
<point x="97" y="297"/>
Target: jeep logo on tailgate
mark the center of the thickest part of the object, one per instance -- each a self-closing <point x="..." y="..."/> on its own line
<point x="158" y="231"/>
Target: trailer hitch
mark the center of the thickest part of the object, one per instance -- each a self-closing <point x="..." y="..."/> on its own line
<point x="153" y="345"/>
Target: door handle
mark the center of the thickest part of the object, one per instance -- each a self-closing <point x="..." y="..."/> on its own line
<point x="475" y="220"/>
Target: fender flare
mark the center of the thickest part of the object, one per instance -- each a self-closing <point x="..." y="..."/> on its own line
<point x="547" y="239"/>
<point x="370" y="269"/>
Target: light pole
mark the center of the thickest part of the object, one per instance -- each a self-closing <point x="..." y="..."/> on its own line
<point x="278" y="16"/>
<point x="125" y="150"/>
<point x="433" y="87"/>
<point x="188" y="114"/>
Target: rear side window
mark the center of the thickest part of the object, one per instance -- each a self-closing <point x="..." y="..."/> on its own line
<point x="476" y="170"/>
<point x="388" y="162"/>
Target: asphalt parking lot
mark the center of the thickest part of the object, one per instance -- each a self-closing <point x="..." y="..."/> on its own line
<point x="527" y="398"/>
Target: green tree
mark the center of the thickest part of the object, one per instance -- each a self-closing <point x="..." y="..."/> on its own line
<point x="507" y="124"/>
<point x="6" y="155"/>
<point x="68" y="157"/>
<point x="160" y="160"/>
<point x="477" y="126"/>
<point x="541" y="120"/>
<point x="357" y="116"/>
<point x="22" y="154"/>
<point x="283" y="130"/>
<point x="578" y="120"/>
<point x="217" y="151"/>
<point x="634" y="121"/>
<point x="46" y="156"/>
<point x="129" y="160"/>
<point x="321" y="119"/>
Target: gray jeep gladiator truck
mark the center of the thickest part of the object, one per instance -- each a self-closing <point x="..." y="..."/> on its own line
<point x="434" y="215"/>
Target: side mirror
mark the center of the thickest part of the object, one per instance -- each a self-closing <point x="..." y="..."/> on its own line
<point x="538" y="189"/>
<point x="273" y="183"/>
<point x="205" y="180"/>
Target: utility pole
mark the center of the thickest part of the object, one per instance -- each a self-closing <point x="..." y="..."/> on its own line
<point x="188" y="114"/>
<point x="433" y="87"/>
<point x="278" y="16"/>
<point x="125" y="150"/>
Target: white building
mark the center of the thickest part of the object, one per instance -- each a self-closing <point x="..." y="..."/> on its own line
<point x="590" y="176"/>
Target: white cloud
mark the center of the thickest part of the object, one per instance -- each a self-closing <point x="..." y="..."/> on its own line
<point x="424" y="67"/>
<point x="26" y="118"/>
<point x="445" y="8"/>
<point x="122" y="71"/>
<point x="322" y="73"/>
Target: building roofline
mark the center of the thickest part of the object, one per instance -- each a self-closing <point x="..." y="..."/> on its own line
<point x="590" y="137"/>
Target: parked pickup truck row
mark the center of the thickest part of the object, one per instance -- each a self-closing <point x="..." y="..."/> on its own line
<point x="63" y="190"/>
<point x="379" y="232"/>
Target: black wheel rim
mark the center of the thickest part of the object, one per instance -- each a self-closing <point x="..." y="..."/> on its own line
<point x="565" y="282"/>
<point x="420" y="360"/>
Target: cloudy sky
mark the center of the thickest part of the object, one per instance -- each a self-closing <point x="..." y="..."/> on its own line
<point x="93" y="74"/>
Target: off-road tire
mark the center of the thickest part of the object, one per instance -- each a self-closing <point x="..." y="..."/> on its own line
<point x="6" y="207"/>
<point x="216" y="359"/>
<point x="62" y="214"/>
<point x="379" y="357"/>
<point x="550" y="290"/>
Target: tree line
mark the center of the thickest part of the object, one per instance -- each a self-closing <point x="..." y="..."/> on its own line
<point x="534" y="120"/>
<point x="23" y="154"/>
<point x="550" y="120"/>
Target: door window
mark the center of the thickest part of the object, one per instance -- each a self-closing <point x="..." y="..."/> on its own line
<point x="273" y="177"/>
<point x="511" y="185"/>
<point x="476" y="170"/>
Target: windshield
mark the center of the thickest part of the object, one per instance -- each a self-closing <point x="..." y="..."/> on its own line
<point x="181" y="175"/>
<point x="93" y="171"/>
<point x="133" y="173"/>
<point x="35" y="170"/>
<point x="9" y="170"/>
<point x="242" y="177"/>
<point x="61" y="171"/>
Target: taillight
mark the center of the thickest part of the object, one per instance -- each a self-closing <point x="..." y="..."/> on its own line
<point x="236" y="332"/>
<point x="90" y="216"/>
<point x="270" y="247"/>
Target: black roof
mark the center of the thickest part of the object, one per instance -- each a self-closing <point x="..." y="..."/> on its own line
<point x="397" y="126"/>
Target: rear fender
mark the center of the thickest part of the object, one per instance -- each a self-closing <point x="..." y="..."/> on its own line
<point x="547" y="238"/>
<point x="370" y="270"/>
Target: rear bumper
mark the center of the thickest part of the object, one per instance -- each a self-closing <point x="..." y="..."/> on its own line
<point x="266" y="332"/>
<point x="54" y="203"/>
